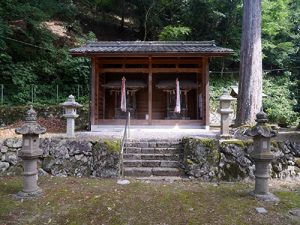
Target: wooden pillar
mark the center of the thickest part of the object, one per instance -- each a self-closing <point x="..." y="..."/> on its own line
<point x="134" y="99"/>
<point x="93" y="90"/>
<point x="150" y="92"/>
<point x="103" y="90"/>
<point x="205" y="74"/>
<point x="116" y="104"/>
<point x="186" y="99"/>
<point x="99" y="94"/>
<point x="168" y="102"/>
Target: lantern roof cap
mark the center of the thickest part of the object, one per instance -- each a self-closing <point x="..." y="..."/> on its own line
<point x="71" y="103"/>
<point x="226" y="96"/>
<point x="261" y="129"/>
<point x="31" y="126"/>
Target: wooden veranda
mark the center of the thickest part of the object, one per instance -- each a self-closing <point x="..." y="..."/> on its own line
<point x="150" y="69"/>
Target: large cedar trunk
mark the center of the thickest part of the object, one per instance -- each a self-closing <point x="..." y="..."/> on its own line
<point x="250" y="81"/>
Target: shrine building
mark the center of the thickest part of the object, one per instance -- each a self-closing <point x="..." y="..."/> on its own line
<point x="150" y="69"/>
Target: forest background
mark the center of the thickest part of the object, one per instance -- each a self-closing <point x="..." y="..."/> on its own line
<point x="35" y="37"/>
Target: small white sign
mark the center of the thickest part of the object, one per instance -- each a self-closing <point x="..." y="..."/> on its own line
<point x="26" y="142"/>
<point x="265" y="145"/>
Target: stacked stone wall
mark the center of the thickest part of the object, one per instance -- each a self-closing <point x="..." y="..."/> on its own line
<point x="202" y="158"/>
<point x="212" y="160"/>
<point x="65" y="157"/>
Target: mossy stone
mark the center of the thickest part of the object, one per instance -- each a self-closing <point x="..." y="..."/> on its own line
<point x="112" y="145"/>
<point x="297" y="162"/>
<point x="240" y="143"/>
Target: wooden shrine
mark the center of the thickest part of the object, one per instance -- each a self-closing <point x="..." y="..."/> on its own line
<point x="150" y="69"/>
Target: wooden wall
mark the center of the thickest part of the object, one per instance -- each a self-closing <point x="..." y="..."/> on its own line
<point x="113" y="68"/>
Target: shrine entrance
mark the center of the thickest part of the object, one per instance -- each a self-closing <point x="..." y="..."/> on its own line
<point x="150" y="70"/>
<point x="165" y="84"/>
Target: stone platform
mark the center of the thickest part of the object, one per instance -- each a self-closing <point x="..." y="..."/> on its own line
<point x="150" y="132"/>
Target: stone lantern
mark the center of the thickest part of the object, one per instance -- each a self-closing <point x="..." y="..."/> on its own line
<point x="225" y="111"/>
<point x="262" y="156"/>
<point x="70" y="112"/>
<point x="30" y="153"/>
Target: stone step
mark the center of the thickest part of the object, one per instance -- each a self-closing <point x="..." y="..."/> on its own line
<point x="138" y="150"/>
<point x="155" y="156"/>
<point x="154" y="171"/>
<point x="153" y="144"/>
<point x="150" y="163"/>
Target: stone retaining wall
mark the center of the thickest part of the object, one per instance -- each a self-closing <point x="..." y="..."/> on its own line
<point x="203" y="158"/>
<point x="211" y="160"/>
<point x="63" y="157"/>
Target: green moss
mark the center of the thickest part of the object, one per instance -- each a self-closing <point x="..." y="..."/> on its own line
<point x="209" y="150"/>
<point x="232" y="172"/>
<point x="276" y="144"/>
<point x="189" y="161"/>
<point x="207" y="142"/>
<point x="241" y="143"/>
<point x="288" y="199"/>
<point x="297" y="162"/>
<point x="103" y="201"/>
<point x="16" y="170"/>
<point x="112" y="145"/>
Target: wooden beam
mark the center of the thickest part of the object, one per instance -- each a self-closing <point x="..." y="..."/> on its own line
<point x="125" y="70"/>
<point x="146" y="61"/>
<point x="205" y="82"/>
<point x="154" y="122"/>
<point x="150" y="92"/>
<point x="154" y="70"/>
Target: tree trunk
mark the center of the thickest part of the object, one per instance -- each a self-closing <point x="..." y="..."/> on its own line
<point x="250" y="78"/>
<point x="123" y="14"/>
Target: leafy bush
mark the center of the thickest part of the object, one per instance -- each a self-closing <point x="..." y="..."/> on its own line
<point x="217" y="86"/>
<point x="280" y="101"/>
<point x="174" y="33"/>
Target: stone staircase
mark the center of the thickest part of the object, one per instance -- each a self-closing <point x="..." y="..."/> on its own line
<point x="145" y="158"/>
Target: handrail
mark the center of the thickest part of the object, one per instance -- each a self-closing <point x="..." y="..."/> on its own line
<point x="126" y="135"/>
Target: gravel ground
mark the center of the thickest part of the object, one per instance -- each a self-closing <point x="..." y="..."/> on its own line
<point x="57" y="129"/>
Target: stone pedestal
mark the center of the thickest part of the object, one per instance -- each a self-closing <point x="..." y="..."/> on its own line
<point x="262" y="156"/>
<point x="71" y="126"/>
<point x="30" y="153"/>
<point x="70" y="113"/>
<point x="225" y="111"/>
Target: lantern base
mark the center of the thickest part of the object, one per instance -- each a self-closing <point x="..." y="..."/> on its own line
<point x="28" y="195"/>
<point x="269" y="197"/>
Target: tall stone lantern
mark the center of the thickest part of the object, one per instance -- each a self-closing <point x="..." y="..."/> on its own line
<point x="262" y="156"/>
<point x="225" y="111"/>
<point x="70" y="112"/>
<point x="30" y="153"/>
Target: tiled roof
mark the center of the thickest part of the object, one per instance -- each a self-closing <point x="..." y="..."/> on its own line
<point x="151" y="47"/>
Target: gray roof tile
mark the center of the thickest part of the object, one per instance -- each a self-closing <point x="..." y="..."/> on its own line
<point x="150" y="47"/>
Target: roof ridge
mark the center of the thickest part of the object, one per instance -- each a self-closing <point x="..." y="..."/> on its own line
<point x="145" y="47"/>
<point x="122" y="43"/>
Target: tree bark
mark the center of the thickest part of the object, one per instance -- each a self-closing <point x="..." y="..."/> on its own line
<point x="250" y="78"/>
<point x="123" y="15"/>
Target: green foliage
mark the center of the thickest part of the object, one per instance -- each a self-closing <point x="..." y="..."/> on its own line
<point x="174" y="33"/>
<point x="30" y="60"/>
<point x="217" y="86"/>
<point x="279" y="38"/>
<point x="280" y="101"/>
<point x="44" y="60"/>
